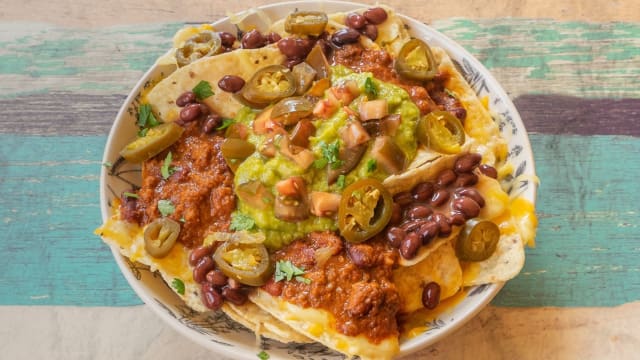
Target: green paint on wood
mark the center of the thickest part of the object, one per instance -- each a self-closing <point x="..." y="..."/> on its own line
<point x="587" y="240"/>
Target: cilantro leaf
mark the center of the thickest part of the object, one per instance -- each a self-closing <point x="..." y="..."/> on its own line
<point x="202" y="90"/>
<point x="341" y="181"/>
<point x="320" y="163"/>
<point x="178" y="285"/>
<point x="370" y="87"/>
<point x="285" y="270"/>
<point x="166" y="207"/>
<point x="262" y="355"/>
<point x="240" y="221"/>
<point x="131" y="195"/>
<point x="226" y="122"/>
<point x="143" y="132"/>
<point x="145" y="117"/>
<point x="330" y="155"/>
<point x="372" y="165"/>
<point x="167" y="170"/>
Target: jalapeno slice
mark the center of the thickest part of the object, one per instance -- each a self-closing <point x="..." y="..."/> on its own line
<point x="206" y="43"/>
<point x="157" y="139"/>
<point x="235" y="150"/>
<point x="306" y="23"/>
<point x="270" y="84"/>
<point x="415" y="61"/>
<point x="441" y="131"/>
<point x="477" y="242"/>
<point x="160" y="236"/>
<point x="248" y="264"/>
<point x="365" y="209"/>
<point x="290" y="110"/>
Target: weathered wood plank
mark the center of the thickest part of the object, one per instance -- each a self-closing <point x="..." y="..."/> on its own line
<point x="587" y="240"/>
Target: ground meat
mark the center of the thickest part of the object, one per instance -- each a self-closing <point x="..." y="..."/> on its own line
<point x="200" y="188"/>
<point x="362" y="300"/>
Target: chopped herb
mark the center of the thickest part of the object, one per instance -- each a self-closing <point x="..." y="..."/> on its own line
<point x="285" y="270"/>
<point x="370" y="87"/>
<point x="202" y="90"/>
<point x="340" y="182"/>
<point x="131" y="195"/>
<point x="166" y="207"/>
<point x="372" y="165"/>
<point x="262" y="355"/>
<point x="143" y="132"/>
<point x="178" y="285"/>
<point x="107" y="164"/>
<point x="240" y="221"/>
<point x="320" y="163"/>
<point x="145" y="117"/>
<point x="451" y="93"/>
<point x="330" y="153"/>
<point x="225" y="123"/>
<point x="167" y="170"/>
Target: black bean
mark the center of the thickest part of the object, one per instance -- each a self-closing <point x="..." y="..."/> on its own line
<point x="467" y="162"/>
<point x="418" y="212"/>
<point x="211" y="123"/>
<point x="211" y="298"/>
<point x="295" y="47"/>
<point x="235" y="296"/>
<point x="186" y="98"/>
<point x="370" y="31"/>
<point x="396" y="214"/>
<point x="345" y="36"/>
<point x="466" y="179"/>
<point x="440" y="197"/>
<point x="201" y="269"/>
<point x="355" y="21"/>
<point x="190" y="112"/>
<point x="253" y="40"/>
<point x="443" y="223"/>
<point x="199" y="253"/>
<point x="431" y="295"/>
<point x="404" y="198"/>
<point x="472" y="193"/>
<point x="467" y="206"/>
<point x="423" y="191"/>
<point x="375" y="15"/>
<point x="446" y="177"/>
<point x="457" y="218"/>
<point x="410" y="245"/>
<point x="428" y="231"/>
<point x="227" y="39"/>
<point x="489" y="171"/>
<point x="273" y="37"/>
<point x="217" y="278"/>
<point x="231" y="83"/>
<point x="395" y="235"/>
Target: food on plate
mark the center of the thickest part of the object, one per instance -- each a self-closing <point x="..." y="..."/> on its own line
<point x="319" y="179"/>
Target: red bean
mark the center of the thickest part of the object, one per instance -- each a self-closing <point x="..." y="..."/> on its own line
<point x="440" y="197"/>
<point x="423" y="191"/>
<point x="403" y="198"/>
<point x="375" y="15"/>
<point x="418" y="212"/>
<point x="211" y="298"/>
<point x="472" y="193"/>
<point x="428" y="231"/>
<point x="457" y="218"/>
<point x="411" y="225"/>
<point x="443" y="223"/>
<point x="227" y="39"/>
<point x="291" y="62"/>
<point x="489" y="171"/>
<point x="395" y="235"/>
<point x="431" y="295"/>
<point x="199" y="253"/>
<point x="190" y="112"/>
<point x="201" y="269"/>
<point x="217" y="278"/>
<point x="204" y="109"/>
<point x="370" y="31"/>
<point x="466" y="206"/>
<point x="466" y="179"/>
<point x="186" y="98"/>
<point x="234" y="284"/>
<point x="295" y="47"/>
<point x="446" y="177"/>
<point x="253" y="40"/>
<point x="211" y="123"/>
<point x="273" y="37"/>
<point x="362" y="255"/>
<point x="396" y="214"/>
<point x="274" y="288"/>
<point x="467" y="162"/>
<point x="345" y="36"/>
<point x="355" y="21"/>
<point x="231" y="83"/>
<point x="410" y="245"/>
<point x="235" y="296"/>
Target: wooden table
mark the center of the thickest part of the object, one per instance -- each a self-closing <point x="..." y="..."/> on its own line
<point x="571" y="67"/>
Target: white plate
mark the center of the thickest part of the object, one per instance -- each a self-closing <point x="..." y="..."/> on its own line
<point x="220" y="334"/>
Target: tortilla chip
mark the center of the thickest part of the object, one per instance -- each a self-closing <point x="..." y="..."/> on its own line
<point x="240" y="62"/>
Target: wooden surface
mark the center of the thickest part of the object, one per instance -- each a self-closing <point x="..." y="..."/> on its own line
<point x="571" y="67"/>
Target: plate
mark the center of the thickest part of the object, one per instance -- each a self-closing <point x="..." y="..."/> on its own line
<point x="215" y="330"/>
